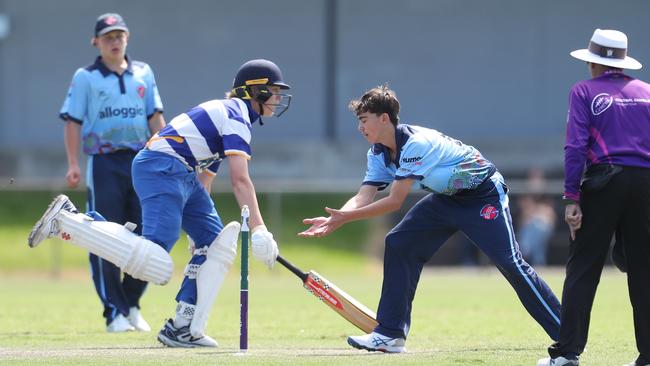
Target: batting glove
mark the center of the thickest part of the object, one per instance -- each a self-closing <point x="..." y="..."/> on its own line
<point x="263" y="245"/>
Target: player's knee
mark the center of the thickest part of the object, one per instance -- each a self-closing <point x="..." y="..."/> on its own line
<point x="224" y="246"/>
<point x="395" y="242"/>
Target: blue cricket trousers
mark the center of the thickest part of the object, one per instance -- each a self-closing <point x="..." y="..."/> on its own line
<point x="172" y="198"/>
<point x="110" y="192"/>
<point x="483" y="215"/>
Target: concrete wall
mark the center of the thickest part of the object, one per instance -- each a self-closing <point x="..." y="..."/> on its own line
<point x="494" y="73"/>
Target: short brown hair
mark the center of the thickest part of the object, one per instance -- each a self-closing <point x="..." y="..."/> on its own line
<point x="377" y="100"/>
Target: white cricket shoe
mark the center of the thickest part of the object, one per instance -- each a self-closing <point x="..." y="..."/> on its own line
<point x="171" y="336"/>
<point x="558" y="361"/>
<point x="119" y="324"/>
<point x="137" y="321"/>
<point x="47" y="226"/>
<point x="377" y="342"/>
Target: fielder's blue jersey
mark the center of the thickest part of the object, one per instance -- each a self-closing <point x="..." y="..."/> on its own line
<point x="438" y="163"/>
<point x="113" y="109"/>
<point x="205" y="134"/>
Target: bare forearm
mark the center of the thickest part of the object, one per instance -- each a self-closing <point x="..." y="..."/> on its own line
<point x="71" y="139"/>
<point x="366" y="208"/>
<point x="355" y="202"/>
<point x="245" y="194"/>
<point x="364" y="197"/>
<point x="156" y="122"/>
<point x="377" y="208"/>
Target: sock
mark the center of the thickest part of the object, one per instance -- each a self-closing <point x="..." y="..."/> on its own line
<point x="184" y="314"/>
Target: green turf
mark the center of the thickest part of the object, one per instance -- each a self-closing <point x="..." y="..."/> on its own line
<point x="283" y="214"/>
<point x="459" y="318"/>
<point x="50" y="315"/>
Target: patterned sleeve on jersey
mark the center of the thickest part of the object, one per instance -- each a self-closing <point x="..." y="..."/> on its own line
<point x="236" y="134"/>
<point x="153" y="100"/>
<point x="75" y="103"/>
<point x="411" y="161"/>
<point x="235" y="145"/>
<point x="377" y="174"/>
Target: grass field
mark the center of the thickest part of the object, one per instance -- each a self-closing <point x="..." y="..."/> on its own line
<point x="460" y="317"/>
<point x="50" y="315"/>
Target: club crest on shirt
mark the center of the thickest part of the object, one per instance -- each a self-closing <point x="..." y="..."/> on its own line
<point x="600" y="103"/>
<point x="489" y="212"/>
<point x="141" y="91"/>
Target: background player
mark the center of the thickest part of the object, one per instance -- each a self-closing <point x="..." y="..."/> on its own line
<point x="467" y="194"/>
<point x="113" y="107"/>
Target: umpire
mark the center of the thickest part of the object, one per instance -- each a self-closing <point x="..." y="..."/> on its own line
<point x="608" y="133"/>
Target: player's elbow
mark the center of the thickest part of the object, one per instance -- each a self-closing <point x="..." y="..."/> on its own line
<point x="240" y="181"/>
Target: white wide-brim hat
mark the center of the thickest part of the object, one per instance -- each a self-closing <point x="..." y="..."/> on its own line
<point x="608" y="47"/>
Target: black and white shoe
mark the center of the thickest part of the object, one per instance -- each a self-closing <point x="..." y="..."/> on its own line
<point x="171" y="336"/>
<point x="558" y="361"/>
<point x="47" y="226"/>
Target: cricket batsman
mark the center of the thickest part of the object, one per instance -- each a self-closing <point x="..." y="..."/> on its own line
<point x="467" y="194"/>
<point x="172" y="177"/>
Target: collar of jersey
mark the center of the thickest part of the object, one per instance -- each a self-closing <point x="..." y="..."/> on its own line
<point x="613" y="74"/>
<point x="402" y="134"/>
<point x="252" y="115"/>
<point x="99" y="65"/>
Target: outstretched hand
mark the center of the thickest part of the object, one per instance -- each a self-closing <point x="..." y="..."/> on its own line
<point x="323" y="226"/>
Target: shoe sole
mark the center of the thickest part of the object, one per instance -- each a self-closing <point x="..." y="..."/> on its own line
<point x="356" y="345"/>
<point x="176" y="344"/>
<point x="51" y="211"/>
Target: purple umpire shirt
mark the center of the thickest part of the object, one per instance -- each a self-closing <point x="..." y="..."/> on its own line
<point x="608" y="123"/>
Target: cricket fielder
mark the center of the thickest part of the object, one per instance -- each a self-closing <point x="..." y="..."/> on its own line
<point x="468" y="194"/>
<point x="112" y="107"/>
<point x="172" y="177"/>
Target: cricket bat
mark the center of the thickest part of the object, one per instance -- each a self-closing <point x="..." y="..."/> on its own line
<point x="344" y="304"/>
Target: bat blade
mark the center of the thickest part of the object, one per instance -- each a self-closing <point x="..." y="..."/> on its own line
<point x="344" y="304"/>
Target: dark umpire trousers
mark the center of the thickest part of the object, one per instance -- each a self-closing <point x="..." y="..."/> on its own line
<point x="484" y="216"/>
<point x="111" y="194"/>
<point x="623" y="204"/>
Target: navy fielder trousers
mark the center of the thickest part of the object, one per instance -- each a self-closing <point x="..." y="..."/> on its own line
<point x="483" y="215"/>
<point x="111" y="193"/>
<point x="623" y="205"/>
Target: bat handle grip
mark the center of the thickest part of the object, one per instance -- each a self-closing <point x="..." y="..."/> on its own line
<point x="302" y="275"/>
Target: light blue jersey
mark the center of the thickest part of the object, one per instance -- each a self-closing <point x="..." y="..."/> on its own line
<point x="437" y="163"/>
<point x="113" y="109"/>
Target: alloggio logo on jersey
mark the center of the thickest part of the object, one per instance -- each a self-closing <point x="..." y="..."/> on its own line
<point x="110" y="112"/>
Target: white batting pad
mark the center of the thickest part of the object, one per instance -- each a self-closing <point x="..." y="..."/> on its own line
<point x="210" y="275"/>
<point x="133" y="254"/>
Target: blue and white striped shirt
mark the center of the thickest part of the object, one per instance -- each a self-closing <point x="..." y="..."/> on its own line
<point x="201" y="137"/>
